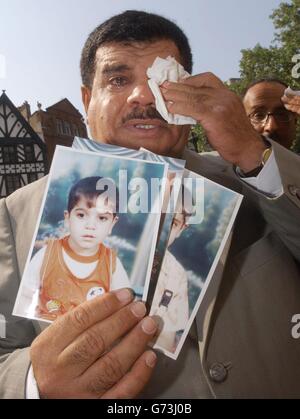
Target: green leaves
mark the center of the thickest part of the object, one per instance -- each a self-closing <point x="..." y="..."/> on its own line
<point x="275" y="61"/>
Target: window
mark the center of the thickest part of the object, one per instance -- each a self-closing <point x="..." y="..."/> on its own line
<point x="10" y="155"/>
<point x="29" y="153"/>
<point x="67" y="128"/>
<point x="13" y="182"/>
<point x="32" y="177"/>
<point x="59" y="127"/>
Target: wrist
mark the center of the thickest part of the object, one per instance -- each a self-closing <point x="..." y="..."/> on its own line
<point x="254" y="157"/>
<point x="255" y="172"/>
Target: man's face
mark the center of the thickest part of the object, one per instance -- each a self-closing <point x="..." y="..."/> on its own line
<point x="121" y="107"/>
<point x="89" y="225"/>
<point x="266" y="97"/>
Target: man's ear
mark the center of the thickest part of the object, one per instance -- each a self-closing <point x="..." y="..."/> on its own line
<point x="86" y="95"/>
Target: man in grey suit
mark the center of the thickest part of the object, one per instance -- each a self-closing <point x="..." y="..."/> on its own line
<point x="242" y="346"/>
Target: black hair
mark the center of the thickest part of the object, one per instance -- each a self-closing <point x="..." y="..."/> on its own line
<point x="128" y="27"/>
<point x="89" y="189"/>
<point x="263" y="80"/>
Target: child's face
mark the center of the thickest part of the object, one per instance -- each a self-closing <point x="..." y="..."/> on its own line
<point x="178" y="226"/>
<point x="90" y="225"/>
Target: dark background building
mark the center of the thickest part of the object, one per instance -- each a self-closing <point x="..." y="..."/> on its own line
<point x="28" y="141"/>
<point x="23" y="157"/>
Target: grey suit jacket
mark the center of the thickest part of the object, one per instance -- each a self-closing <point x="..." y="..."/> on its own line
<point x="243" y="347"/>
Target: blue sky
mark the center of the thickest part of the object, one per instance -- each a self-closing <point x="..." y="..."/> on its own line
<point x="41" y="41"/>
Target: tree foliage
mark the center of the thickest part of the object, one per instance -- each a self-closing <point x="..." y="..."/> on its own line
<point x="275" y="61"/>
<point x="198" y="141"/>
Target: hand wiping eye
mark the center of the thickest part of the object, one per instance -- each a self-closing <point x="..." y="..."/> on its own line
<point x="162" y="71"/>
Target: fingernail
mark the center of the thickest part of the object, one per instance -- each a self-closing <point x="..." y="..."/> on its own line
<point x="149" y="326"/>
<point x="151" y="359"/>
<point x="124" y="295"/>
<point x="139" y="309"/>
<point x="166" y="84"/>
<point x="170" y="102"/>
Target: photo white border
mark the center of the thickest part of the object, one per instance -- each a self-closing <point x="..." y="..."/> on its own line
<point x="174" y="355"/>
<point x="16" y="308"/>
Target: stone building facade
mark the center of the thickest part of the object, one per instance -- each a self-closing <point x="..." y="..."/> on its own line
<point x="56" y="125"/>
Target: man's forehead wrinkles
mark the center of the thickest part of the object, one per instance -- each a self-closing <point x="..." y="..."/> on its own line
<point x="263" y="99"/>
<point x="267" y="102"/>
<point x="265" y="94"/>
<point x="111" y="53"/>
<point x="135" y="51"/>
<point x="115" y="68"/>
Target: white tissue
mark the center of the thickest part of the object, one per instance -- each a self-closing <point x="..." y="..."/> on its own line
<point x="167" y="70"/>
<point x="291" y="92"/>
